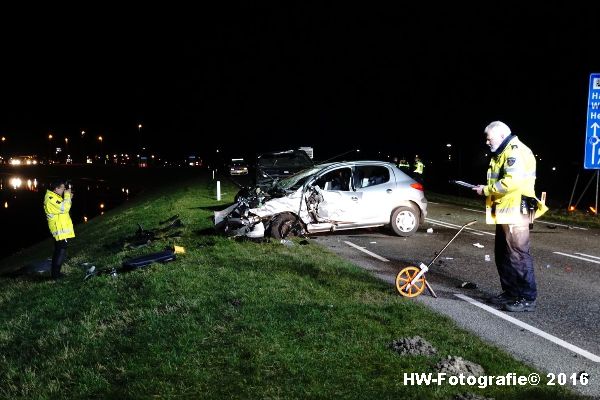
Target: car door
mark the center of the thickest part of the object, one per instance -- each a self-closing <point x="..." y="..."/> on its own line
<point x="340" y="203"/>
<point x="375" y="185"/>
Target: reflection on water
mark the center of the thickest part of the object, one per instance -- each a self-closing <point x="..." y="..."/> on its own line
<point x="25" y="196"/>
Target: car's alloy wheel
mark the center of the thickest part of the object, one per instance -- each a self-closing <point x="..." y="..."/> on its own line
<point x="404" y="221"/>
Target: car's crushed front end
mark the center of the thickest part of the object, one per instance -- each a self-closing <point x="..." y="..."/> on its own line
<point x="256" y="211"/>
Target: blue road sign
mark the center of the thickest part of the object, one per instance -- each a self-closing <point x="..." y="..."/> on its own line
<point x="592" y="127"/>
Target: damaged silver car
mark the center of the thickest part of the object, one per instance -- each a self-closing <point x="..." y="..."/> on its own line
<point x="326" y="198"/>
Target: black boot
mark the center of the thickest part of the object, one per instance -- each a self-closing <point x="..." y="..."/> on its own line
<point x="60" y="252"/>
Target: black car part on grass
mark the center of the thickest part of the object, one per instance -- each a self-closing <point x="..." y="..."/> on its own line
<point x="40" y="268"/>
<point x="144" y="237"/>
<point x="132" y="264"/>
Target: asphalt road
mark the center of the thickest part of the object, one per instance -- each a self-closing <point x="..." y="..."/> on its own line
<point x="561" y="336"/>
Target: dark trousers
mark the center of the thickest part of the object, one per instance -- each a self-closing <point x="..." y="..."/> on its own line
<point x="514" y="261"/>
<point x="60" y="252"/>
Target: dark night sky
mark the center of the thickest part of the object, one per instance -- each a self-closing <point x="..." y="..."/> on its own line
<point x="403" y="79"/>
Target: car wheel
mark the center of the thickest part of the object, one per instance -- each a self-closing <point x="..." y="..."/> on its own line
<point x="282" y="226"/>
<point x="404" y="221"/>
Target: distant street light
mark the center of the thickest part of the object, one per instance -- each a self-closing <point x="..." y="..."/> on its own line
<point x="101" y="140"/>
<point x="83" y="153"/>
<point x="50" y="147"/>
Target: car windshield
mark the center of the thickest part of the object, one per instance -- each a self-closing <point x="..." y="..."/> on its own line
<point x="294" y="182"/>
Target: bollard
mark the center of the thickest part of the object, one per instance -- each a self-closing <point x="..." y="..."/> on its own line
<point x="543" y="199"/>
<point x="213" y="174"/>
<point x="218" y="190"/>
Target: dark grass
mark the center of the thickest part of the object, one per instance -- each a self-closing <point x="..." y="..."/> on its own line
<point x="229" y="319"/>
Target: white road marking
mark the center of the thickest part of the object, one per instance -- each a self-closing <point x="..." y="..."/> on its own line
<point x="471" y="230"/>
<point x="366" y="251"/>
<point x="580" y="258"/>
<point x="470" y="209"/>
<point x="532" y="329"/>
<point x="587" y="255"/>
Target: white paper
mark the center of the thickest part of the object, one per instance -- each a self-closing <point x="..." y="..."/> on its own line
<point x="465" y="184"/>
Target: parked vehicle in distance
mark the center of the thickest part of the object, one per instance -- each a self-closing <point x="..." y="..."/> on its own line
<point x="238" y="167"/>
<point x="328" y="197"/>
<point x="273" y="166"/>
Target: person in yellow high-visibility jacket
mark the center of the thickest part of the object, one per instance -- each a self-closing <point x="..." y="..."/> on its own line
<point x="57" y="204"/>
<point x="511" y="205"/>
<point x="419" y="167"/>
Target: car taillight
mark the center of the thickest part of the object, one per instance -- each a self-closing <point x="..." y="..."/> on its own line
<point x="417" y="186"/>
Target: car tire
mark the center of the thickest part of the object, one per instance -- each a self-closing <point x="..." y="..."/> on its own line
<point x="405" y="221"/>
<point x="244" y="192"/>
<point x="281" y="226"/>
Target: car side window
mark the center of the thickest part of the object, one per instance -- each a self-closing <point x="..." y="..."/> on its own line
<point x="370" y="175"/>
<point x="338" y="179"/>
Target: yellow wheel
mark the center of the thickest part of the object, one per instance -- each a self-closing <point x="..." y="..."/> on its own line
<point x="403" y="279"/>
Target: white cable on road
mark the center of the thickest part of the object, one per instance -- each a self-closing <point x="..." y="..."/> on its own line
<point x="579" y="258"/>
<point x="537" y="220"/>
<point x="545" y="335"/>
<point x="587" y="255"/>
<point x="451" y="225"/>
<point x="366" y="251"/>
<point x="566" y="226"/>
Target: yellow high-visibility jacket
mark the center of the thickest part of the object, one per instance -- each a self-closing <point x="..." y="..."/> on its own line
<point x="511" y="174"/>
<point x="419" y="166"/>
<point x="57" y="212"/>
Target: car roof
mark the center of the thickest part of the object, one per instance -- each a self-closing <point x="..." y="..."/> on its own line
<point x="355" y="163"/>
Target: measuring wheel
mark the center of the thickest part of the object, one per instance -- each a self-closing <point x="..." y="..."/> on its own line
<point x="404" y="277"/>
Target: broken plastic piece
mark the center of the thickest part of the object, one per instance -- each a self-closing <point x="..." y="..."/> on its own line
<point x="487" y="257"/>
<point x="478" y="245"/>
<point x="468" y="285"/>
<point x="429" y="230"/>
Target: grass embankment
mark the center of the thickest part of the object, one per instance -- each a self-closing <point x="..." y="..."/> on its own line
<point x="227" y="319"/>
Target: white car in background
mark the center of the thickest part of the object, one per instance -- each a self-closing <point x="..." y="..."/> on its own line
<point x="238" y="167"/>
<point x="326" y="198"/>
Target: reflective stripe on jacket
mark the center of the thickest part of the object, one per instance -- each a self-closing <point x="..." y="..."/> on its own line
<point x="511" y="174"/>
<point x="57" y="213"/>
